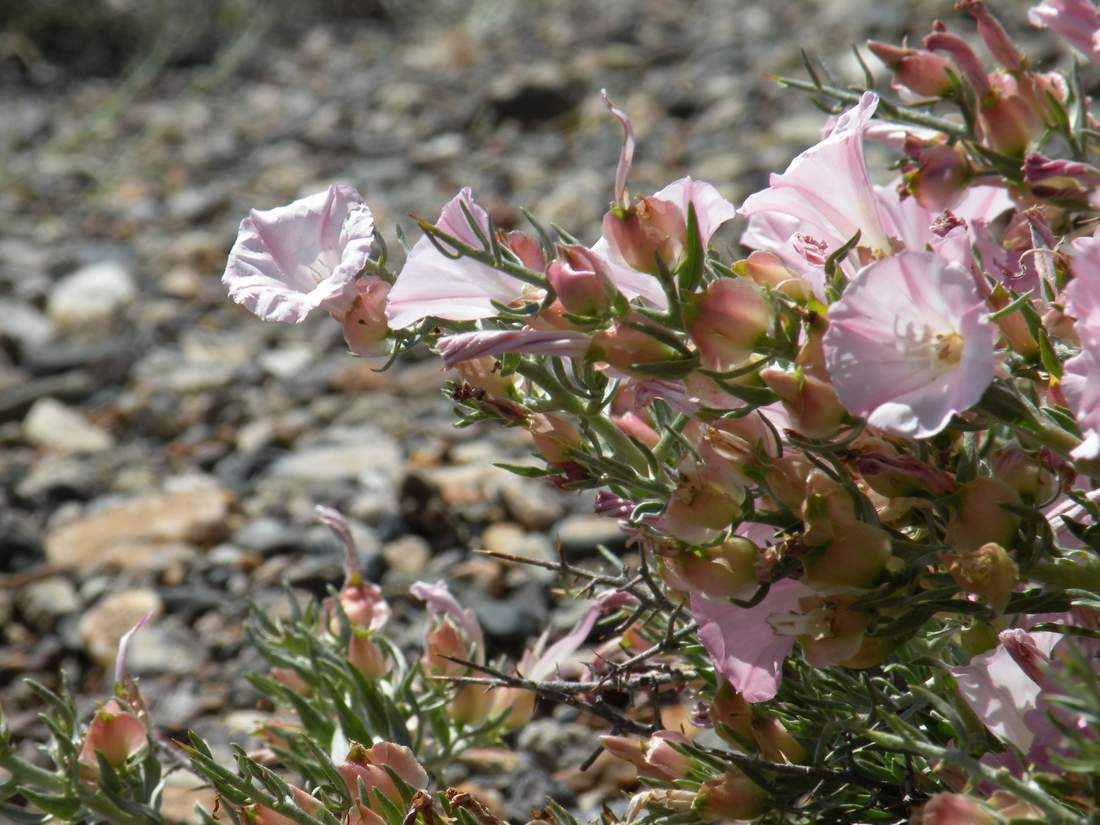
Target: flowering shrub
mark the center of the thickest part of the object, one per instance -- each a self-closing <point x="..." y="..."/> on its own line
<point x="856" y="466"/>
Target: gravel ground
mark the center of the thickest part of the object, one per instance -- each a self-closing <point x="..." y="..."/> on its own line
<point x="161" y="449"/>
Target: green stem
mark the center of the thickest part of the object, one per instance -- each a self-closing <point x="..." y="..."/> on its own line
<point x="110" y="812"/>
<point x="668" y="440"/>
<point x="1067" y="574"/>
<point x="26" y="773"/>
<point x="1055" y="813"/>
<point x="623" y="448"/>
<point x="891" y="110"/>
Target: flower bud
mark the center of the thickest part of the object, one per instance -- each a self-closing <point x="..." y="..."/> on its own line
<point x="732" y="717"/>
<point x="775" y="741"/>
<point x="443" y="643"/>
<point x="367" y="656"/>
<point x="1007" y="120"/>
<point x="580" y="280"/>
<point x="1013" y="326"/>
<point x="903" y="475"/>
<point x="941" y="176"/>
<point x="786" y="479"/>
<point x="952" y="809"/>
<point x="727" y="570"/>
<point x="855" y="557"/>
<point x="527" y="249"/>
<point x="727" y="321"/>
<point x="622" y="346"/>
<point x="262" y="815"/>
<point x="483" y="373"/>
<point x="520" y="704"/>
<point x="811" y="402"/>
<point x="1031" y="476"/>
<point x="977" y="516"/>
<point x="987" y="571"/>
<point x="696" y="511"/>
<point x="922" y="72"/>
<point x="664" y="761"/>
<point x="115" y="734"/>
<point x="767" y="269"/>
<point x="733" y="796"/>
<point x="365" y="323"/>
<point x="554" y="437"/>
<point x="364" y="606"/>
<point x="290" y="679"/>
<point x="980" y="637"/>
<point x="369" y="765"/>
<point x="828" y="509"/>
<point x="472" y="704"/>
<point x="625" y="748"/>
<point x="996" y="39"/>
<point x="647" y="230"/>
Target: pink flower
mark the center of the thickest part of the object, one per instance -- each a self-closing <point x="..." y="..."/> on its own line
<point x="910" y="344"/>
<point x="442" y="604"/>
<point x="744" y="647"/>
<point x="1081" y="381"/>
<point x="292" y="259"/>
<point x="434" y="285"/>
<point x="360" y="600"/>
<point x="1075" y="20"/>
<point x="827" y="188"/>
<point x="1001" y="692"/>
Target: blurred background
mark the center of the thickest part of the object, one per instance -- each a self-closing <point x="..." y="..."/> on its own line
<point x="161" y="449"/>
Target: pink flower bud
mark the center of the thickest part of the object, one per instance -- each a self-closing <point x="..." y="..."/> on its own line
<point x="554" y="438"/>
<point x="649" y="229"/>
<point x="262" y="815"/>
<point x="733" y="796"/>
<point x="987" y="571"/>
<point x="367" y="656"/>
<point x="443" y="643"/>
<point x="472" y="704"/>
<point x="854" y="558"/>
<point x="727" y="321"/>
<point x="290" y="680"/>
<point x="484" y="373"/>
<point x="664" y="761"/>
<point x="519" y="703"/>
<point x="622" y="346"/>
<point x="775" y="741"/>
<point x="1013" y="326"/>
<point x="978" y="518"/>
<point x="941" y="176"/>
<point x="964" y="57"/>
<point x="696" y="511"/>
<point x="996" y="39"/>
<point x="1008" y="121"/>
<point x="364" y="606"/>
<point x="369" y="765"/>
<point x="767" y="269"/>
<point x="902" y="475"/>
<point x="811" y="401"/>
<point x="115" y="734"/>
<point x="1032" y="476"/>
<point x="365" y="322"/>
<point x="922" y="72"/>
<point x="723" y="571"/>
<point x="527" y="249"/>
<point x="625" y="748"/>
<point x="580" y="279"/>
<point x="828" y="509"/>
<point x="952" y="809"/>
<point x="732" y="717"/>
<point x="1021" y="646"/>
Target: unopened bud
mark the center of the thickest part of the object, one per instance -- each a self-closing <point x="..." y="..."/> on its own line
<point x="662" y="759"/>
<point x="727" y="570"/>
<point x="554" y="438"/>
<point x="733" y="796"/>
<point x="1032" y="476"/>
<point x="811" y="402"/>
<point x="727" y="321"/>
<point x="443" y="643"/>
<point x="1008" y="121"/>
<point x="978" y="516"/>
<point x="732" y="717"/>
<point x="115" y="734"/>
<point x="527" y="249"/>
<point x="367" y="656"/>
<point x="922" y="72"/>
<point x="767" y="269"/>
<point x="903" y="475"/>
<point x="472" y="704"/>
<point x="855" y="557"/>
<point x="996" y="39"/>
<point x="696" y="511"/>
<point x="622" y="346"/>
<point x="649" y="230"/>
<point x="941" y="176"/>
<point x="987" y="571"/>
<point x="775" y="741"/>
<point x="365" y="323"/>
<point x="828" y="509"/>
<point x="580" y="281"/>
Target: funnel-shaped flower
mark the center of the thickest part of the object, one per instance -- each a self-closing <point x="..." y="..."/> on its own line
<point x="910" y="344"/>
<point x="291" y="260"/>
<point x="828" y="189"/>
<point x="432" y="284"/>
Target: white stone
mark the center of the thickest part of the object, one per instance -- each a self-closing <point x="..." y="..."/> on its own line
<point x="92" y="293"/>
<point x="52" y="425"/>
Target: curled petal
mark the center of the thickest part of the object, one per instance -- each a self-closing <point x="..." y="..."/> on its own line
<point x="626" y="154"/>
<point x="441" y="602"/>
<point x="468" y="345"/>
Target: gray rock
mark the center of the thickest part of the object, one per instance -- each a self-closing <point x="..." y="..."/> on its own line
<point x="53" y="426"/>
<point x="580" y="535"/>
<point x="24" y="324"/>
<point x="165" y="647"/>
<point x="44" y="601"/>
<point x="92" y="293"/>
